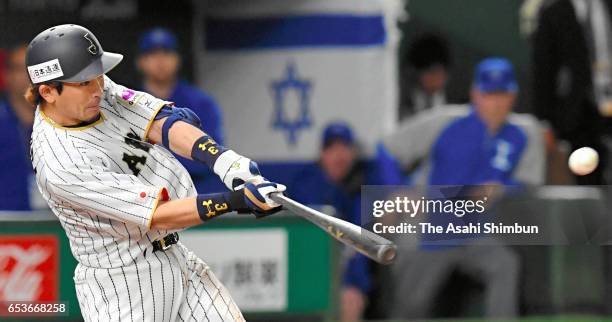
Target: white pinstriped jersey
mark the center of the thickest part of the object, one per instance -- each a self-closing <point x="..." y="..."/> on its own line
<point x="103" y="181"/>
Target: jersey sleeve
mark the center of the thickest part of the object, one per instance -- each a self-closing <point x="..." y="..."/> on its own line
<point x="137" y="108"/>
<point x="413" y="139"/>
<point x="531" y="167"/>
<point x="91" y="188"/>
<point x="516" y="159"/>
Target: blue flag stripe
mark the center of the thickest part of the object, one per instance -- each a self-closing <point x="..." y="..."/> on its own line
<point x="330" y="30"/>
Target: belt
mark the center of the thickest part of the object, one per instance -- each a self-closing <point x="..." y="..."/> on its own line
<point x="165" y="243"/>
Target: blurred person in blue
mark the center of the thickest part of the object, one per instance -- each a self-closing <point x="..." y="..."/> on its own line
<point x="159" y="62"/>
<point x="482" y="144"/>
<point x="487" y="147"/>
<point x="16" y="119"/>
<point x="336" y="180"/>
<point x="485" y="137"/>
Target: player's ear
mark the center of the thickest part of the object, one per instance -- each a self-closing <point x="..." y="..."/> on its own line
<point x="48" y="93"/>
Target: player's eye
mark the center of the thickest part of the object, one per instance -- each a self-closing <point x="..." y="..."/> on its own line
<point x="85" y="83"/>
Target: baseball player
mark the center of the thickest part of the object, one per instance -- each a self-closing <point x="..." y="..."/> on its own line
<point x="121" y="198"/>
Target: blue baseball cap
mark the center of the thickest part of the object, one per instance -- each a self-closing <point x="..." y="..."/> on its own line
<point x="157" y="38"/>
<point x="338" y="131"/>
<point x="495" y="75"/>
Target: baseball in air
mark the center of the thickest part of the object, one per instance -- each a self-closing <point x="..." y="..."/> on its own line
<point x="583" y="161"/>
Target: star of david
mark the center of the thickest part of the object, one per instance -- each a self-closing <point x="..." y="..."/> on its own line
<point x="291" y="82"/>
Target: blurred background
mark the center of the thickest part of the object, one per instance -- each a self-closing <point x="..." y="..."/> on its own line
<point x="330" y="95"/>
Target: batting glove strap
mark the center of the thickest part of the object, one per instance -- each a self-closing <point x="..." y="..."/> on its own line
<point x="214" y="204"/>
<point x="207" y="151"/>
<point x="257" y="197"/>
<point x="234" y="170"/>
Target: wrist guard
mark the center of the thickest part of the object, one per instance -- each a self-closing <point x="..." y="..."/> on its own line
<point x="215" y="204"/>
<point x="207" y="151"/>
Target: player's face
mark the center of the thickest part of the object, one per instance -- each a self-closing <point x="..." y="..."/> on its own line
<point x="80" y="102"/>
<point x="337" y="160"/>
<point x="159" y="65"/>
<point x="493" y="107"/>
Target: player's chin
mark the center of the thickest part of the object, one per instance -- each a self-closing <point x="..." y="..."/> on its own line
<point x="92" y="111"/>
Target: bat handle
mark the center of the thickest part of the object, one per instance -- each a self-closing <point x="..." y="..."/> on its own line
<point x="277" y="197"/>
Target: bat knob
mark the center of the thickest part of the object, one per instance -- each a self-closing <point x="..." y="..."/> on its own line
<point x="387" y="254"/>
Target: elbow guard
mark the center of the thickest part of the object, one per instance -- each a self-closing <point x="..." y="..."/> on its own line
<point x="175" y="114"/>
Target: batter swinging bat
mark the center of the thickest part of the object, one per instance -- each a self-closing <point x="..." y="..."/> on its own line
<point x="366" y="242"/>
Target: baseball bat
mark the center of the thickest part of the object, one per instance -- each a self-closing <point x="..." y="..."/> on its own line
<point x="366" y="242"/>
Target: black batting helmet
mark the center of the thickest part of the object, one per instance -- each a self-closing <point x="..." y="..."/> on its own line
<point x="67" y="53"/>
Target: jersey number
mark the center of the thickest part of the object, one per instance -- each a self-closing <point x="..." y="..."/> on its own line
<point x="501" y="159"/>
<point x="133" y="160"/>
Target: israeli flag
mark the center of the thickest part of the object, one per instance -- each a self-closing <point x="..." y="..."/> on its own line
<point x="281" y="70"/>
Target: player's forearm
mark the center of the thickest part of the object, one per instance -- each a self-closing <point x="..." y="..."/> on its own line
<point x="187" y="212"/>
<point x="182" y="136"/>
<point x="189" y="141"/>
<point x="176" y="214"/>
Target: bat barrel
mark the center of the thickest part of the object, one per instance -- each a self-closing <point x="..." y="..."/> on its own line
<point x="366" y="242"/>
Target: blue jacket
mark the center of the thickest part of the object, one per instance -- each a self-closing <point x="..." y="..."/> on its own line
<point x="16" y="173"/>
<point x="465" y="153"/>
